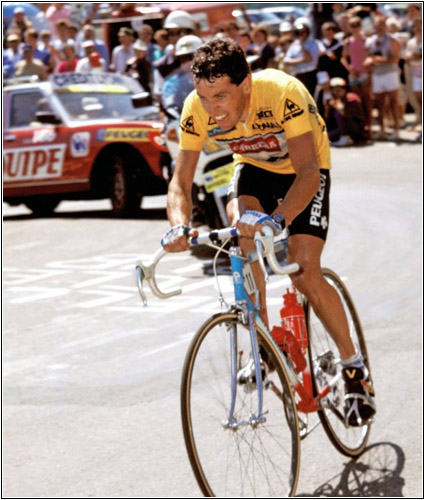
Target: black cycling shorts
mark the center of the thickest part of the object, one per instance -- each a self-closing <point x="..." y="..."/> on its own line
<point x="270" y="189"/>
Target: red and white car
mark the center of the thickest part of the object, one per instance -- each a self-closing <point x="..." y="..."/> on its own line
<point x="80" y="136"/>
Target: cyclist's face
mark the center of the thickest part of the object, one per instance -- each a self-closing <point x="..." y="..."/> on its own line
<point x="224" y="101"/>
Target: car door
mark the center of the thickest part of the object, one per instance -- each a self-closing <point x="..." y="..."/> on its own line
<point x="33" y="153"/>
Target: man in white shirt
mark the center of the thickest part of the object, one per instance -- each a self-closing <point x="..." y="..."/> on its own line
<point x="123" y="52"/>
<point x="85" y="65"/>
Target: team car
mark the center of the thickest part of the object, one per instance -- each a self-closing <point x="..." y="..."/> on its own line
<point x="80" y="136"/>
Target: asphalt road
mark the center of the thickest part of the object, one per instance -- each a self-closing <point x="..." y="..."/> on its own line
<point x="91" y="379"/>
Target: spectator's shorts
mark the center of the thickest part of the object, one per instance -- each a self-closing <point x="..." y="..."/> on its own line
<point x="389" y="82"/>
<point x="270" y="189"/>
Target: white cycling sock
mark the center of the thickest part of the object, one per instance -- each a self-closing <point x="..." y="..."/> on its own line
<point x="354" y="360"/>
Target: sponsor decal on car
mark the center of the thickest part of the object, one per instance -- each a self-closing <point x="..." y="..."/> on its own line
<point x="43" y="135"/>
<point x="33" y="163"/>
<point x="124" y="134"/>
<point x="80" y="144"/>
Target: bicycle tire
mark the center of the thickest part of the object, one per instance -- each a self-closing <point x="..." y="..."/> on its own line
<point x="261" y="461"/>
<point x="325" y="363"/>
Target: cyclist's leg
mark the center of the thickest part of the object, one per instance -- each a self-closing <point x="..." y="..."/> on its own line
<point x="307" y="250"/>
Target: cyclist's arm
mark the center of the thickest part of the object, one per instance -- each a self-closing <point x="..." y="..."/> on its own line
<point x="302" y="152"/>
<point x="179" y="198"/>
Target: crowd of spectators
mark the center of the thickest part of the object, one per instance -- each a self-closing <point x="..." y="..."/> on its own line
<point x="353" y="60"/>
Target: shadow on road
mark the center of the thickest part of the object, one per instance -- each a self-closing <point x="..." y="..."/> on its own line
<point x="142" y="214"/>
<point x="376" y="473"/>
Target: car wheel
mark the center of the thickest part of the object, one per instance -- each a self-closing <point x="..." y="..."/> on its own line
<point x="125" y="197"/>
<point x="42" y="206"/>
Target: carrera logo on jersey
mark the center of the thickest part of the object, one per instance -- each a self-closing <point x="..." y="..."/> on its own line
<point x="255" y="145"/>
<point x="291" y="110"/>
<point x="188" y="126"/>
<point x="33" y="163"/>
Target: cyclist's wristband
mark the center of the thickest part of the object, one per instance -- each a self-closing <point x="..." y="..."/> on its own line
<point x="279" y="220"/>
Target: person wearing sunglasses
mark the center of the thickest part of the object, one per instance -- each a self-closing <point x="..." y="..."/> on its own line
<point x="303" y="57"/>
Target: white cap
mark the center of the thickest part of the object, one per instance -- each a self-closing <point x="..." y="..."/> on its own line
<point x="19" y="10"/>
<point x="188" y="44"/>
<point x="179" y="19"/>
<point x="285" y="26"/>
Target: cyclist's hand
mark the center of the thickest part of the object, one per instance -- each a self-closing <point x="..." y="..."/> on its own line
<point x="253" y="221"/>
<point x="176" y="238"/>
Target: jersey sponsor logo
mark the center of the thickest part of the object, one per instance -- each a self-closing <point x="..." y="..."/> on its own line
<point x="265" y="125"/>
<point x="33" y="163"/>
<point x="268" y="144"/>
<point x="123" y="134"/>
<point x="291" y="110"/>
<point x="313" y="110"/>
<point x="188" y="126"/>
<point x="80" y="144"/>
<point x="264" y="113"/>
<point x="316" y="218"/>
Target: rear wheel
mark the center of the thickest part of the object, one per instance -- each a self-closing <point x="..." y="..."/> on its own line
<point x="230" y="456"/>
<point x="325" y="363"/>
<point x="125" y="196"/>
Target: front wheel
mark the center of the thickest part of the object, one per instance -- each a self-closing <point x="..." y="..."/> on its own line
<point x="239" y="460"/>
<point x="325" y="363"/>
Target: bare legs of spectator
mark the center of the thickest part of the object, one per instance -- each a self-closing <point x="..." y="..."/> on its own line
<point x="380" y="100"/>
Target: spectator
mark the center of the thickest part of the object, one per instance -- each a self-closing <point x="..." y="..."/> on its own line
<point x="146" y="37"/>
<point x="139" y="67"/>
<point x="85" y="64"/>
<point x="161" y="41"/>
<point x="8" y="68"/>
<point x="245" y="41"/>
<point x="344" y="115"/>
<point x="383" y="57"/>
<point x="31" y="38"/>
<point x="12" y="52"/>
<point x="19" y="23"/>
<point x="56" y="12"/>
<point x="414" y="62"/>
<point x="261" y="48"/>
<point x="232" y="30"/>
<point x="178" y="24"/>
<point x="353" y="56"/>
<point x="70" y="62"/>
<point x="73" y="33"/>
<point x="413" y="13"/>
<point x="285" y="42"/>
<point x="344" y="25"/>
<point x="123" y="52"/>
<point x="89" y="34"/>
<point x="323" y="92"/>
<point x="331" y="52"/>
<point x="45" y="39"/>
<point x="30" y="66"/>
<point x="303" y="57"/>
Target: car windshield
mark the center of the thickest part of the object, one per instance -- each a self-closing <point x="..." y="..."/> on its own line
<point x="97" y="105"/>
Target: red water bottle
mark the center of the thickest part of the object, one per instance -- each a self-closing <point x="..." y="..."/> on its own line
<point x="293" y="319"/>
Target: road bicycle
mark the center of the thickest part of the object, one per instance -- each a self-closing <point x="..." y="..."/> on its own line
<point x="246" y="404"/>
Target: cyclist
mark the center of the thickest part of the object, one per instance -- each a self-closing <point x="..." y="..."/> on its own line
<point x="282" y="157"/>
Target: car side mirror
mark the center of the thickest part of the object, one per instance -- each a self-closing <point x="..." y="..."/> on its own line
<point x="142" y="99"/>
<point x="47" y="118"/>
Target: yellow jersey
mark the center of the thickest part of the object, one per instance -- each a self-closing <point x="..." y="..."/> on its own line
<point x="280" y="108"/>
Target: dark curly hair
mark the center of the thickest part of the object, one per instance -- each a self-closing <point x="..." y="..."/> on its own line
<point x="220" y="57"/>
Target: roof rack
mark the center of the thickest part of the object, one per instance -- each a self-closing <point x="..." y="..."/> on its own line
<point x="19" y="80"/>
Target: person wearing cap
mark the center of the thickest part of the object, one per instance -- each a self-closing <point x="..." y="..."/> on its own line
<point x="12" y="51"/>
<point x="58" y="11"/>
<point x="138" y="67"/>
<point x="303" y="57"/>
<point x="30" y="66"/>
<point x="69" y="64"/>
<point x="177" y="24"/>
<point x="122" y="53"/>
<point x="344" y="117"/>
<point x="100" y="47"/>
<point x="19" y="23"/>
<point x="85" y="64"/>
<point x="331" y="52"/>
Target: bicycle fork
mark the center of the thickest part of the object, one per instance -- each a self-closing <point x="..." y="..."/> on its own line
<point x="254" y="419"/>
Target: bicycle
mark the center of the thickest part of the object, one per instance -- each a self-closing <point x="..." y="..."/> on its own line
<point x="245" y="404"/>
